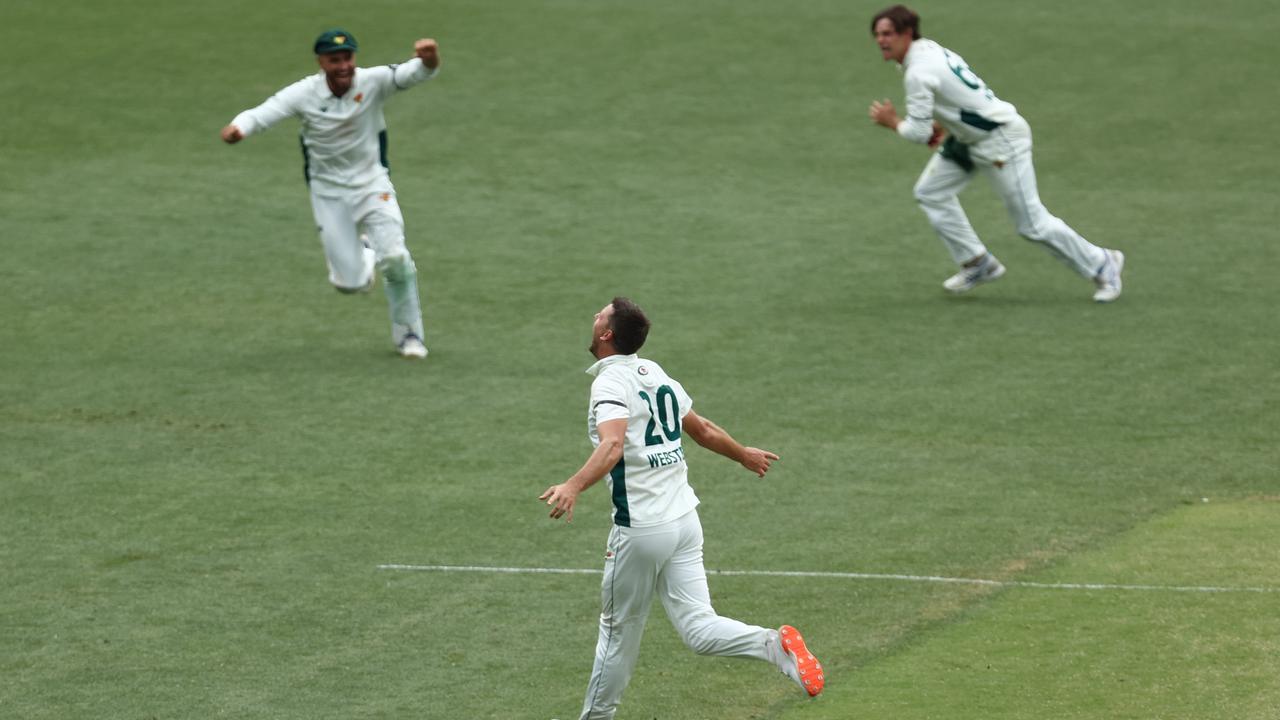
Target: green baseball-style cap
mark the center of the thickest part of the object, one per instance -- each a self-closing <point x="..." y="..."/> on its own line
<point x="335" y="40"/>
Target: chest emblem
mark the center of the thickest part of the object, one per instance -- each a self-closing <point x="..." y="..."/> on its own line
<point x="359" y="97"/>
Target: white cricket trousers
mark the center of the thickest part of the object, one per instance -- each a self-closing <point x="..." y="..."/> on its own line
<point x="1005" y="158"/>
<point x="342" y="216"/>
<point x="666" y="560"/>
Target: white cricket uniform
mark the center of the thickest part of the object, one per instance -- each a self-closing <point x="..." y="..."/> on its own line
<point x="344" y="148"/>
<point x="940" y="86"/>
<point x="655" y="545"/>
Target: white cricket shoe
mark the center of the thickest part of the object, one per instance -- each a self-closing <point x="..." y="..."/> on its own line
<point x="969" y="278"/>
<point x="1108" y="278"/>
<point x="411" y="347"/>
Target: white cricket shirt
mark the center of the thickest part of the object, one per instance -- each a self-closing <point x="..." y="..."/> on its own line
<point x="343" y="138"/>
<point x="941" y="86"/>
<point x="650" y="484"/>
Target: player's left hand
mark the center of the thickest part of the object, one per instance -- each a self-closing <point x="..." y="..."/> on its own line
<point x="429" y="51"/>
<point x="562" y="498"/>
<point x="883" y="113"/>
<point x="758" y="461"/>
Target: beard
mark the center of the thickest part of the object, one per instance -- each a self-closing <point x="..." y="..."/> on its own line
<point x="340" y="83"/>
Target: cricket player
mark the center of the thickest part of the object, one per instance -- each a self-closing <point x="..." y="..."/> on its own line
<point x="637" y="418"/>
<point x="344" y="150"/>
<point x="983" y="135"/>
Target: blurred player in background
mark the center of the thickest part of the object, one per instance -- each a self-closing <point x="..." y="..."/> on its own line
<point x="344" y="149"/>
<point x="636" y="419"/>
<point x="983" y="134"/>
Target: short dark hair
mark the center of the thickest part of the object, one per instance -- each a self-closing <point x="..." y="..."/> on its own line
<point x="629" y="325"/>
<point x="902" y="18"/>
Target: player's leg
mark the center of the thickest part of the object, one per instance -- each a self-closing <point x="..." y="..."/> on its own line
<point x="383" y="224"/>
<point x="630" y="571"/>
<point x="1014" y="179"/>
<point x="350" y="262"/>
<point x="682" y="587"/>
<point x="937" y="192"/>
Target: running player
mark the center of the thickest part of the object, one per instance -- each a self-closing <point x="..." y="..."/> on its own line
<point x="344" y="147"/>
<point x="983" y="134"/>
<point x="636" y="419"/>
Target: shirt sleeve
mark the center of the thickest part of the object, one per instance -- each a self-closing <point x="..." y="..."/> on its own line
<point x="402" y="76"/>
<point x="682" y="397"/>
<point x="277" y="107"/>
<point x="917" y="126"/>
<point x="608" y="399"/>
<point x="407" y="74"/>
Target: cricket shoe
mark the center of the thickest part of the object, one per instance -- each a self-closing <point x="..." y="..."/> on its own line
<point x="411" y="347"/>
<point x="1108" y="278"/>
<point x="969" y="278"/>
<point x="802" y="666"/>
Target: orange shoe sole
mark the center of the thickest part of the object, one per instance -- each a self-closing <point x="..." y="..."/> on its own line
<point x="811" y="674"/>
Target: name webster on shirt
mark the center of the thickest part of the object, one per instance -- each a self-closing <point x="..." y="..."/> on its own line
<point x="670" y="457"/>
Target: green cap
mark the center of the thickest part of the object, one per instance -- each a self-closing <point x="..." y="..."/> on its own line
<point x="335" y="40"/>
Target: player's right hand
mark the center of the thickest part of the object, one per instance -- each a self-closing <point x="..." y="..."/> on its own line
<point x="561" y="498"/>
<point x="231" y="135"/>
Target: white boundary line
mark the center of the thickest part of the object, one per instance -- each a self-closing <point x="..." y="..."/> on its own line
<point x="846" y="576"/>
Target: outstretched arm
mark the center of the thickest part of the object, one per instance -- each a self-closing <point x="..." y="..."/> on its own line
<point x="716" y="439"/>
<point x="424" y="65"/>
<point x="562" y="497"/>
<point x="255" y="120"/>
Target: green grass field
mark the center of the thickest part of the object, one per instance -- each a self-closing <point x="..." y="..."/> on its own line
<point x="206" y="453"/>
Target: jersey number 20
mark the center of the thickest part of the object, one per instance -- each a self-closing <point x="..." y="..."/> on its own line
<point x="668" y="418"/>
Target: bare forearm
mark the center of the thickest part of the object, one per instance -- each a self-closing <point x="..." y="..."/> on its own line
<point x="564" y="496"/>
<point x="602" y="460"/>
<point x="718" y="440"/>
